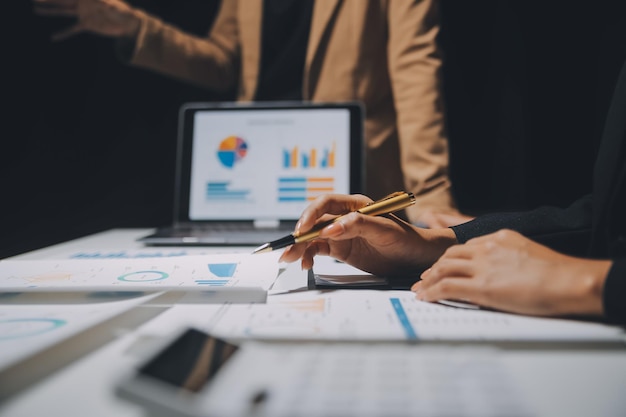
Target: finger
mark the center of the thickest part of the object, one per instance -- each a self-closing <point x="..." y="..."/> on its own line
<point x="458" y="288"/>
<point x="425" y="274"/>
<point x="448" y="268"/>
<point x="459" y="252"/>
<point x="56" y="11"/>
<point x="56" y="7"/>
<point x="295" y="252"/>
<point x="329" y="204"/>
<point x="68" y="33"/>
<point x="317" y="247"/>
<point x="356" y="225"/>
<point x="480" y="240"/>
<point x="292" y="253"/>
<point x="502" y="235"/>
<point x="55" y="3"/>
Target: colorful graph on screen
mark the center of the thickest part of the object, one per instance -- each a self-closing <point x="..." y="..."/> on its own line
<point x="231" y="151"/>
<point x="222" y="190"/>
<point x="299" y="189"/>
<point x="297" y="158"/>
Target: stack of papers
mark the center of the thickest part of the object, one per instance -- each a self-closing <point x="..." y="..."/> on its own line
<point x="246" y="277"/>
<point x="26" y="329"/>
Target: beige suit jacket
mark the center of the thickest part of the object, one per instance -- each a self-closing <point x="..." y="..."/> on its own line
<point x="380" y="52"/>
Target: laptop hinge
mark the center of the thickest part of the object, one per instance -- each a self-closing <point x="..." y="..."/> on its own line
<point x="266" y="224"/>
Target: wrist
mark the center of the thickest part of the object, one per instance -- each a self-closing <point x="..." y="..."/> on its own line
<point x="589" y="288"/>
<point x="436" y="241"/>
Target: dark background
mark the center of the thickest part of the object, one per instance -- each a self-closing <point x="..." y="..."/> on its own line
<point x="88" y="143"/>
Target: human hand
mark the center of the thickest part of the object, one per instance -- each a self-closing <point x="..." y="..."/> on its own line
<point x="381" y="245"/>
<point x="103" y="17"/>
<point x="507" y="271"/>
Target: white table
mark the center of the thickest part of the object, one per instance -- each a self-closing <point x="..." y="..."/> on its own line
<point x="76" y="377"/>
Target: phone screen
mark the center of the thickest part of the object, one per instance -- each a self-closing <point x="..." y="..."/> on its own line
<point x="190" y="361"/>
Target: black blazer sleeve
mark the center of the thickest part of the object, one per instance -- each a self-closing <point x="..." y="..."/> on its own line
<point x="613" y="292"/>
<point x="566" y="230"/>
<point x="583" y="230"/>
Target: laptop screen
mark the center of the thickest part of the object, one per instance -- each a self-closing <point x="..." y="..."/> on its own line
<point x="266" y="161"/>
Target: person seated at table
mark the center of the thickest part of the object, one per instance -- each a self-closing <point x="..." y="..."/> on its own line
<point x="549" y="261"/>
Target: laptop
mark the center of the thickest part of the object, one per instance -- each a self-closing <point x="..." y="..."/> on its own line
<point x="245" y="172"/>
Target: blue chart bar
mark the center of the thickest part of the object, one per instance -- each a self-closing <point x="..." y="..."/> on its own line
<point x="292" y="189"/>
<point x="289" y="158"/>
<point x="303" y="189"/>
<point x="324" y="162"/>
<point x="404" y="320"/>
<point x="221" y="191"/>
<point x="223" y="270"/>
<point x="212" y="282"/>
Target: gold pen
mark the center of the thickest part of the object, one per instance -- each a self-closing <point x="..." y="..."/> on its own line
<point x="393" y="202"/>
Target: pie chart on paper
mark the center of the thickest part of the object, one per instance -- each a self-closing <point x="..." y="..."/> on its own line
<point x="231" y="151"/>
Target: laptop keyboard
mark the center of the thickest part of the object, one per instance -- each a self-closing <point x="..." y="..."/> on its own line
<point x="228" y="229"/>
<point x="228" y="233"/>
<point x="240" y="227"/>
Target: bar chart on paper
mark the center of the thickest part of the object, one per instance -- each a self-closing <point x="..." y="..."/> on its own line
<point x="221" y="274"/>
<point x="369" y="315"/>
<point x="186" y="273"/>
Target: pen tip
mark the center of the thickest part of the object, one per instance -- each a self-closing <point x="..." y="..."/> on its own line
<point x="263" y="248"/>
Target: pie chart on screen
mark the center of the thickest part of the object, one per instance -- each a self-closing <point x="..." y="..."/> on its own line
<point x="231" y="151"/>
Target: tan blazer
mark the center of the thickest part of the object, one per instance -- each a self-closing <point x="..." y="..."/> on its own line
<point x="382" y="53"/>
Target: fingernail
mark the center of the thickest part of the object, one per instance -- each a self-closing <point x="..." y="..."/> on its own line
<point x="334" y="230"/>
<point x="425" y="274"/>
<point x="415" y="287"/>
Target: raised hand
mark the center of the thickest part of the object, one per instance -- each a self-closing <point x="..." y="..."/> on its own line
<point x="112" y="18"/>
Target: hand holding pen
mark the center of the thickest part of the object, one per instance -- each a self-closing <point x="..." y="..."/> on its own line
<point x="391" y="203"/>
<point x="382" y="245"/>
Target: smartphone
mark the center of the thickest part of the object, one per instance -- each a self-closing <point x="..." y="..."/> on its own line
<point x="176" y="381"/>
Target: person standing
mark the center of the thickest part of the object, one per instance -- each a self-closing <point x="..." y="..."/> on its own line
<point x="383" y="53"/>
